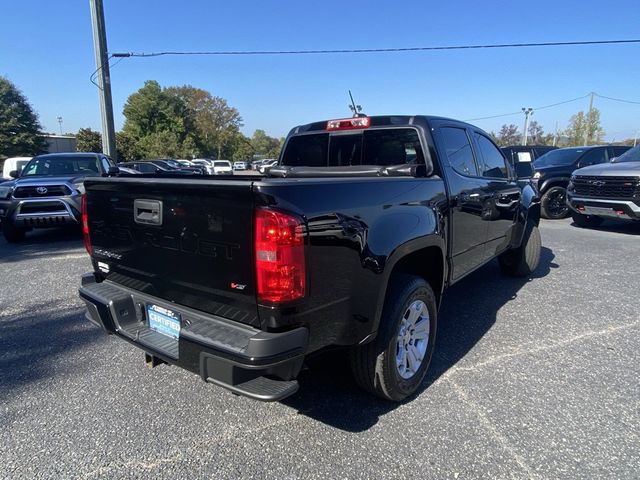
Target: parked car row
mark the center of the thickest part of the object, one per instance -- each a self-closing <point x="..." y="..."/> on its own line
<point x="589" y="183"/>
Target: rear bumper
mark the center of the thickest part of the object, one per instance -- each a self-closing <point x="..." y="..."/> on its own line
<point x="625" y="209"/>
<point x="247" y="361"/>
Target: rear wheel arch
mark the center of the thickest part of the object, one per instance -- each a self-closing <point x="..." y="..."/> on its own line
<point x="427" y="262"/>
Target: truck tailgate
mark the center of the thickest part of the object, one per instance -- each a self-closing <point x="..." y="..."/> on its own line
<point x="187" y="241"/>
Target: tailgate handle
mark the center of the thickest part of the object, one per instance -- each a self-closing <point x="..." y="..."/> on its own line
<point x="147" y="212"/>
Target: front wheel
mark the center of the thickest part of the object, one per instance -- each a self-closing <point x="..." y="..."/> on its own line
<point x="394" y="364"/>
<point x="585" y="221"/>
<point x="522" y="261"/>
<point x="13" y="234"/>
<point x="553" y="204"/>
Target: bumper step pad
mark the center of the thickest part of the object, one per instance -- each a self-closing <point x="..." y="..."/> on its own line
<point x="262" y="388"/>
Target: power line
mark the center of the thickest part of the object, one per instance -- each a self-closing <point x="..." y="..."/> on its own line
<point x="617" y="99"/>
<point x="378" y="50"/>
<point x="534" y="108"/>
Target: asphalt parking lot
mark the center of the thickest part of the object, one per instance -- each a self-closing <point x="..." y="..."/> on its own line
<point x="530" y="379"/>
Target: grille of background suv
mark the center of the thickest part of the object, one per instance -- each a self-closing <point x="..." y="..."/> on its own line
<point x="607" y="187"/>
<point x="31" y="191"/>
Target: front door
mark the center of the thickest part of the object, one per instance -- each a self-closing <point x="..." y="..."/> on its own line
<point x="502" y="195"/>
<point x="468" y="196"/>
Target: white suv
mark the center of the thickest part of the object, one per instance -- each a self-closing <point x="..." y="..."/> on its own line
<point x="222" y="167"/>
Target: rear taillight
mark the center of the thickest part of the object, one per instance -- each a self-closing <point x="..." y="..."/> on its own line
<point x="84" y="216"/>
<point x="279" y="254"/>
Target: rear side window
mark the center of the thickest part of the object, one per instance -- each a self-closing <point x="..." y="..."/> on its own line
<point x="492" y="162"/>
<point x="458" y="150"/>
<point x="384" y="147"/>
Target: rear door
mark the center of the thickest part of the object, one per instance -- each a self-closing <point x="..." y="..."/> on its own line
<point x="187" y="241"/>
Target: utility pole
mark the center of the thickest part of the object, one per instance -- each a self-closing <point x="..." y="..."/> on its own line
<point x="60" y="124"/>
<point x="104" y="79"/>
<point x="527" y="112"/>
<point x="555" y="137"/>
<point x="588" y="121"/>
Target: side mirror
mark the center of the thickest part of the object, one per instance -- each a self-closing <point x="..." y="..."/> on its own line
<point x="14" y="173"/>
<point x="113" y="170"/>
<point x="613" y="159"/>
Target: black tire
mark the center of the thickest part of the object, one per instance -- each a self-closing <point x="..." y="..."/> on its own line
<point x="522" y="261"/>
<point x="553" y="204"/>
<point x="13" y="234"/>
<point x="374" y="364"/>
<point x="585" y="221"/>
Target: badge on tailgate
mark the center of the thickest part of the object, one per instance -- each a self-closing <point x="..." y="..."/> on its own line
<point x="147" y="212"/>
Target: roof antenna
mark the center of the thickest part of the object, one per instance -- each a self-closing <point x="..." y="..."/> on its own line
<point x="355" y="109"/>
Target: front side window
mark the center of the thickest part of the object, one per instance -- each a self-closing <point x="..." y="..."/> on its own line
<point x="492" y="162"/>
<point x="458" y="150"/>
<point x="632" y="155"/>
<point x="594" y="156"/>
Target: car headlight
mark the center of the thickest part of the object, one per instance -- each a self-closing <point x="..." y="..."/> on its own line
<point x="536" y="175"/>
<point x="5" y="192"/>
<point x="79" y="187"/>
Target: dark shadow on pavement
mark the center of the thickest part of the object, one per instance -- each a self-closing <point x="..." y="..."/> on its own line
<point x="616" y="226"/>
<point x="33" y="343"/>
<point x="47" y="241"/>
<point x="327" y="390"/>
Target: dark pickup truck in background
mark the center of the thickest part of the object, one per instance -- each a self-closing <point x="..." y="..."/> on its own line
<point x="349" y="241"/>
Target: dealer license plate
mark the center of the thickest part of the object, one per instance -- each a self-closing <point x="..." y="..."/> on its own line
<point x="163" y="320"/>
<point x="608" y="212"/>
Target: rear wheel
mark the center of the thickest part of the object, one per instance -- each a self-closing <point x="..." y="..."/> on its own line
<point x="522" y="261"/>
<point x="394" y="364"/>
<point x="553" y="203"/>
<point x="12" y="233"/>
<point x="585" y="221"/>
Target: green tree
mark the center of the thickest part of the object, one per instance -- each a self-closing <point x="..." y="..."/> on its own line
<point x="127" y="148"/>
<point x="585" y="129"/>
<point x="88" y="140"/>
<point x="19" y="127"/>
<point x="595" y="132"/>
<point x="535" y="133"/>
<point x="216" y="123"/>
<point x="576" y="130"/>
<point x="183" y="122"/>
<point x="508" y="135"/>
<point x="266" y="146"/>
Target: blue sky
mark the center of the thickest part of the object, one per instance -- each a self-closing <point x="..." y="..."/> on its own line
<point x="46" y="50"/>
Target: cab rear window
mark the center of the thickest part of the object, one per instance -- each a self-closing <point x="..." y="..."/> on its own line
<point x="384" y="147"/>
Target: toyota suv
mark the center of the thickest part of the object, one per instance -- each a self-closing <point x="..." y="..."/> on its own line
<point x="46" y="191"/>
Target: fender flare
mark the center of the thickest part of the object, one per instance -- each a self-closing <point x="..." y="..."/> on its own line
<point x="551" y="181"/>
<point x="433" y="240"/>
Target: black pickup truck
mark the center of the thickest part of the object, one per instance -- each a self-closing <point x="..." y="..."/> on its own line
<point x="349" y="241"/>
